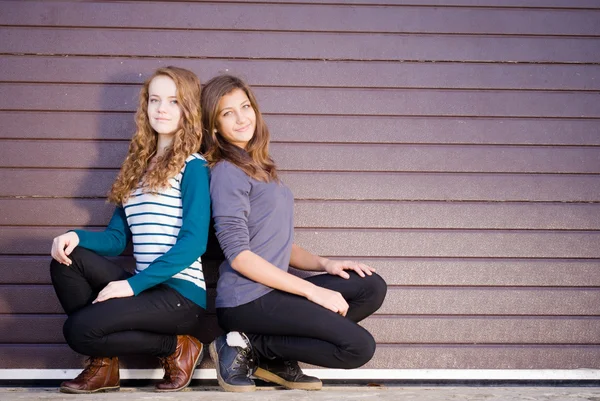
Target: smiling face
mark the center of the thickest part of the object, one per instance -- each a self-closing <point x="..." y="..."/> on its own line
<point x="164" y="112"/>
<point x="236" y="119"/>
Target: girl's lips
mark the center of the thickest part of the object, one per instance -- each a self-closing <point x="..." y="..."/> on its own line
<point x="243" y="128"/>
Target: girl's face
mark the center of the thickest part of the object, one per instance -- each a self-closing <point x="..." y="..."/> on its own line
<point x="163" y="111"/>
<point x="236" y="119"/>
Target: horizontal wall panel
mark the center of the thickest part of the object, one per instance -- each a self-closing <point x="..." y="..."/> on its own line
<point x="19" y="269"/>
<point x="544" y="216"/>
<point x="301" y="18"/>
<point x="464" y="158"/>
<point x="386" y="243"/>
<point x="485" y="357"/>
<point x="342" y="214"/>
<point x="41" y="299"/>
<point x="488" y="272"/>
<point x="332" y="46"/>
<point x="22" y="269"/>
<point x="31" y="356"/>
<point x="332" y="157"/>
<point x="478" y="330"/>
<point x="491" y="301"/>
<point x="47" y="329"/>
<point x="309" y="73"/>
<point x="326" y="101"/>
<point x="290" y="128"/>
<point x="342" y="186"/>
<point x="450" y="243"/>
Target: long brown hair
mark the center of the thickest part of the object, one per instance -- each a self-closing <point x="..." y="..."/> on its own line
<point x="143" y="145"/>
<point x="255" y="160"/>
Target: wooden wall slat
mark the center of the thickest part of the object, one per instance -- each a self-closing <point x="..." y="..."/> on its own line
<point x="326" y="101"/>
<point x="344" y="46"/>
<point x="293" y="17"/>
<point x="332" y="157"/>
<point x="385" y="243"/>
<point x="47" y="329"/>
<point x="380" y="74"/>
<point x="485" y="357"/>
<point x="449" y="187"/>
<point x="456" y="243"/>
<point x="342" y="186"/>
<point x="484" y="330"/>
<point x="491" y="301"/>
<point x="361" y="129"/>
<point x="342" y="214"/>
<point x="57" y="356"/>
<point x="20" y="269"/>
<point x="41" y="299"/>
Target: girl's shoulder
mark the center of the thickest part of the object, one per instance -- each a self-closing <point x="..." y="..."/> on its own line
<point x="226" y="171"/>
<point x="195" y="156"/>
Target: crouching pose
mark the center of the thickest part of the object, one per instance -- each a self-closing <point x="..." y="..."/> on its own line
<point x="163" y="207"/>
<point x="273" y="318"/>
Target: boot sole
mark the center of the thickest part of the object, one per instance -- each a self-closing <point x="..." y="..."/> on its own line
<point x="68" y="390"/>
<point x="227" y="387"/>
<point x="270" y="377"/>
<point x="172" y="390"/>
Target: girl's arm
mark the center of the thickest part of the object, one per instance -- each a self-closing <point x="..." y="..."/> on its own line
<point x="304" y="260"/>
<point x="230" y="192"/>
<point x="258" y="269"/>
<point x="110" y="242"/>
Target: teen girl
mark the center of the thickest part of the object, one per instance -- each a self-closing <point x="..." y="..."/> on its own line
<point x="274" y="318"/>
<point x="163" y="207"/>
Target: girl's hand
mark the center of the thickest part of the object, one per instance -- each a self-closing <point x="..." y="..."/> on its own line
<point x="332" y="300"/>
<point x="338" y="267"/>
<point x="63" y="245"/>
<point x="114" y="289"/>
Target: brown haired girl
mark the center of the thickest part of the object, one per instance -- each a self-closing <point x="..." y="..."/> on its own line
<point x="163" y="208"/>
<point x="274" y="318"/>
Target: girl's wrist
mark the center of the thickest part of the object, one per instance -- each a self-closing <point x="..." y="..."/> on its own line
<point x="323" y="263"/>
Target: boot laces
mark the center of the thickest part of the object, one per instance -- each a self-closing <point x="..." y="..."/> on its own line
<point x="292" y="367"/>
<point x="92" y="366"/>
<point x="245" y="360"/>
<point x="168" y="365"/>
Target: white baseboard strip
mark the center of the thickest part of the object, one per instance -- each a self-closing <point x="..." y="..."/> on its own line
<point x="340" y="374"/>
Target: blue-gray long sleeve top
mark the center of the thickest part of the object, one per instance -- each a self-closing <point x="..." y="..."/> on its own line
<point x="249" y="215"/>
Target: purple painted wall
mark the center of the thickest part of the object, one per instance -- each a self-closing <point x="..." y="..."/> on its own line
<point x="454" y="145"/>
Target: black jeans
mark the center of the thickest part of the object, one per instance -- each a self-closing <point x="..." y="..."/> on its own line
<point x="287" y="326"/>
<point x="144" y="324"/>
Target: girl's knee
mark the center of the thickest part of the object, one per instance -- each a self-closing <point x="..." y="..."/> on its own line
<point x="377" y="288"/>
<point x="362" y="352"/>
<point x="78" y="334"/>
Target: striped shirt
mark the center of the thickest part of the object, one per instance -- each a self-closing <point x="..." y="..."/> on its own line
<point x="168" y="229"/>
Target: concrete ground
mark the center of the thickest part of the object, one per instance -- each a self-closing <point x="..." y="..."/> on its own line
<point x="329" y="393"/>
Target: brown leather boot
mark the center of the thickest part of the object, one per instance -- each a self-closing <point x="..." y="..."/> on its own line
<point x="179" y="366"/>
<point x="101" y="374"/>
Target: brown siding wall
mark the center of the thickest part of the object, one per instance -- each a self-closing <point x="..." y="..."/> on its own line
<point x="454" y="145"/>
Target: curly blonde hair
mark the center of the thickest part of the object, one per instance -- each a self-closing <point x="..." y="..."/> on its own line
<point x="143" y="146"/>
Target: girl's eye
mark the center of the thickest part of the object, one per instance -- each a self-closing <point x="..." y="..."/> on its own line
<point x="153" y="100"/>
<point x="173" y="101"/>
<point x="246" y="106"/>
<point x="226" y="113"/>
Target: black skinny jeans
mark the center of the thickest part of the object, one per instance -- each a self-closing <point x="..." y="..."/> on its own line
<point x="290" y="327"/>
<point x="144" y="324"/>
